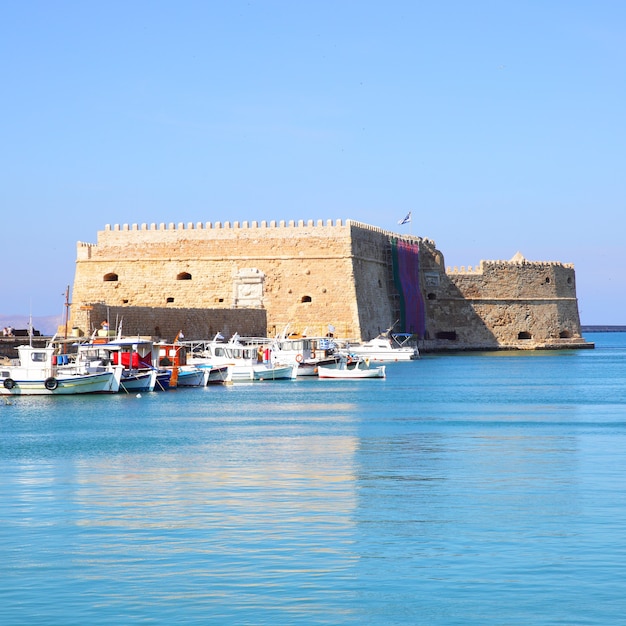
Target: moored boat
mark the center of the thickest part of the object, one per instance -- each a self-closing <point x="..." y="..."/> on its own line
<point x="307" y="352"/>
<point x="135" y="355"/>
<point x="173" y="358"/>
<point x="352" y="367"/>
<point x="246" y="362"/>
<point x="385" y="347"/>
<point x="40" y="371"/>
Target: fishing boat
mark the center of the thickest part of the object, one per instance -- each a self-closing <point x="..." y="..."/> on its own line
<point x="194" y="356"/>
<point x="41" y="371"/>
<point x="308" y="352"/>
<point x="136" y="356"/>
<point x="246" y="362"/>
<point x="385" y="347"/>
<point x="352" y="367"/>
<point x="173" y="357"/>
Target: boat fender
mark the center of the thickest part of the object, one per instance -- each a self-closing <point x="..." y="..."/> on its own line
<point x="299" y="358"/>
<point x="51" y="383"/>
<point x="9" y="383"/>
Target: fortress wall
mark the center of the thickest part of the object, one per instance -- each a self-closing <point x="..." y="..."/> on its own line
<point x="541" y="321"/>
<point x="505" y="304"/>
<point x="376" y="302"/>
<point x="307" y="268"/>
<point x="312" y="274"/>
<point x="509" y="279"/>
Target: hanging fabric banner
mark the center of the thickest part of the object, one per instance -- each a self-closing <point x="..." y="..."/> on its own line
<point x="406" y="276"/>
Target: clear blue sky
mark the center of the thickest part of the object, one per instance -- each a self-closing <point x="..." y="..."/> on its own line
<point x="500" y="125"/>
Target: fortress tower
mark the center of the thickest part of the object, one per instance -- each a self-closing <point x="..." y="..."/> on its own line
<point x="257" y="278"/>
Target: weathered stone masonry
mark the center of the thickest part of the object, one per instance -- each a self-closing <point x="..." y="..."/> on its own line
<point x="256" y="278"/>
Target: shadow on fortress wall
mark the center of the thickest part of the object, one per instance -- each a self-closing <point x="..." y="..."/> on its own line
<point x="452" y="323"/>
<point x="164" y="323"/>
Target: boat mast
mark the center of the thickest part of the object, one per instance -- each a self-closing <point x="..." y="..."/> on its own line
<point x="67" y="313"/>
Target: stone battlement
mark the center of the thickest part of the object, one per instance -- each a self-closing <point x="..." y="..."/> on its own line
<point x="499" y="265"/>
<point x="246" y="225"/>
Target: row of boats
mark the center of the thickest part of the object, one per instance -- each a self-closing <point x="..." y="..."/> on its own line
<point x="106" y="364"/>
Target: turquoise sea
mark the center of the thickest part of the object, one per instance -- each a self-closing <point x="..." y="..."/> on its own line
<point x="463" y="489"/>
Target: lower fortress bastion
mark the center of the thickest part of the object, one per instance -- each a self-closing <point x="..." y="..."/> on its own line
<point x="358" y="280"/>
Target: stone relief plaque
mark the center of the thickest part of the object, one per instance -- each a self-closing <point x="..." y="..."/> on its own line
<point x="248" y="288"/>
<point x="431" y="279"/>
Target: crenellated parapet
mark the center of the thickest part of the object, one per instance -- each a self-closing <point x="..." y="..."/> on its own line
<point x="503" y="265"/>
<point x="469" y="270"/>
<point x="84" y="250"/>
<point x="245" y="225"/>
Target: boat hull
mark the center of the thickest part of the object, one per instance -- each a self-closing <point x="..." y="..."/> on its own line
<point x="351" y="374"/>
<point x="218" y="374"/>
<point x="104" y="382"/>
<point x="144" y="381"/>
<point x="163" y="378"/>
<point x="244" y="373"/>
<point x="385" y="355"/>
<point x="196" y="378"/>
<point x="310" y="368"/>
<point x="276" y="372"/>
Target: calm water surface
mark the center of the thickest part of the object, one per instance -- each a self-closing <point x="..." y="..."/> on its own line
<point x="469" y="489"/>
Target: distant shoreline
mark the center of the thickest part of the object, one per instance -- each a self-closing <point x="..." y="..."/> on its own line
<point x="603" y="329"/>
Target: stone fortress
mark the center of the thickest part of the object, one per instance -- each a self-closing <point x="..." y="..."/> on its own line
<point x="350" y="278"/>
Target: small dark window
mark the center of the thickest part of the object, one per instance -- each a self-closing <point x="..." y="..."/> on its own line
<point x="112" y="277"/>
<point x="170" y="299"/>
<point x="569" y="280"/>
<point x="450" y="335"/>
<point x="432" y="296"/>
<point x="184" y="276"/>
<point x="124" y="301"/>
<point x="524" y="335"/>
<point x="547" y="280"/>
<point x="306" y="299"/>
<point x="565" y="334"/>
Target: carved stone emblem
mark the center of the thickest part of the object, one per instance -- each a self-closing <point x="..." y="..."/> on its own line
<point x="248" y="288"/>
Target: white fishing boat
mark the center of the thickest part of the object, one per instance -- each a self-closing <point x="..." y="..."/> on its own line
<point x="352" y="367"/>
<point x="385" y="347"/>
<point x="41" y="371"/>
<point x="307" y="352"/>
<point x="136" y="356"/>
<point x="246" y="362"/>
